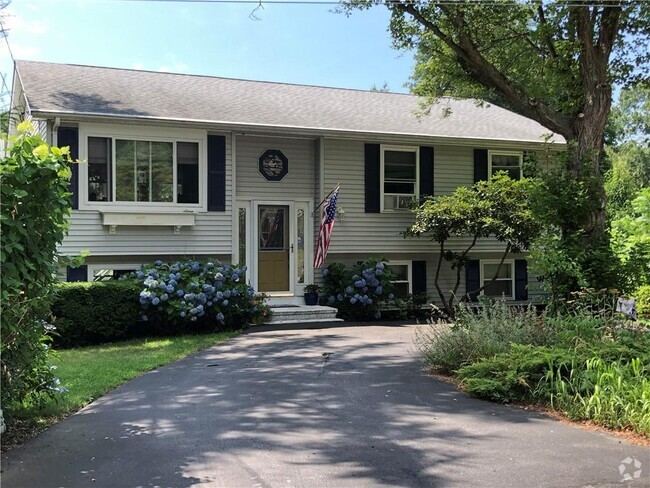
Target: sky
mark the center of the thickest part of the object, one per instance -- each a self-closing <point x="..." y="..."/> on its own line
<point x="306" y="44"/>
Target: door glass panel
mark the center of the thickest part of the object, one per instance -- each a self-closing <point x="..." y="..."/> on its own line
<point x="300" y="244"/>
<point x="242" y="236"/>
<point x="273" y="228"/>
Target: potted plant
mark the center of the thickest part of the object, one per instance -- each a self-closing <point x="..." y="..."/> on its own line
<point x="311" y="294"/>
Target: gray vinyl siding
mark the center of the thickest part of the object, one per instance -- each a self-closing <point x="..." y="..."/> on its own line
<point x="211" y="234"/>
<point x="380" y="232"/>
<point x="298" y="184"/>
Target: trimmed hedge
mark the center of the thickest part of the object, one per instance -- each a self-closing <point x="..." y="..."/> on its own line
<point x="92" y="313"/>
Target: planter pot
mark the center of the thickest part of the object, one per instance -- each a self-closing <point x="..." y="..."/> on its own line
<point x="311" y="298"/>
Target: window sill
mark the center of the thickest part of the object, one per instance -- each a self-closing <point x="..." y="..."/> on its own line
<point x="147" y="219"/>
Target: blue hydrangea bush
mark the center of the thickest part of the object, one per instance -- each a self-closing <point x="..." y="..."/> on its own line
<point x="359" y="292"/>
<point x="209" y="294"/>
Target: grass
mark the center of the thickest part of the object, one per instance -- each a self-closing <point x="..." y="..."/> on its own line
<point x="90" y="372"/>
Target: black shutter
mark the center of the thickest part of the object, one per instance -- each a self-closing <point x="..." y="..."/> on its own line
<point x="480" y="165"/>
<point x="216" y="173"/>
<point x="473" y="278"/>
<point x="426" y="171"/>
<point x="521" y="279"/>
<point x="372" y="178"/>
<point x="80" y="273"/>
<point x="69" y="136"/>
<point x="419" y="277"/>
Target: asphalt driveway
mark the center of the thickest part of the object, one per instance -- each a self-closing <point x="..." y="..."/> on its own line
<point x="340" y="407"/>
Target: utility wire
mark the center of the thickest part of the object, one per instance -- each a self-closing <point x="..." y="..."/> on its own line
<point x="460" y="3"/>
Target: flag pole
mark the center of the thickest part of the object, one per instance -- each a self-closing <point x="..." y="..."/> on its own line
<point x="325" y="199"/>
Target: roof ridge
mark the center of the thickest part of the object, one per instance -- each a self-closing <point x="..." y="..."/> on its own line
<point x="162" y="73"/>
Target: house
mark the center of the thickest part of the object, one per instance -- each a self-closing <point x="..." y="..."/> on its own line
<point x="184" y="165"/>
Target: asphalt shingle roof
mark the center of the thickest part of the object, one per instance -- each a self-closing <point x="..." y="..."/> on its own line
<point x="74" y="89"/>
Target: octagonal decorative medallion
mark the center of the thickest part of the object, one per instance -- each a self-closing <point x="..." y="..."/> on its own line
<point x="273" y="165"/>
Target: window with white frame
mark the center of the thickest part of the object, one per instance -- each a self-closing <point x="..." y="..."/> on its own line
<point x="510" y="162"/>
<point x="125" y="170"/>
<point x="401" y="279"/>
<point x="504" y="284"/>
<point x="109" y="272"/>
<point x="399" y="176"/>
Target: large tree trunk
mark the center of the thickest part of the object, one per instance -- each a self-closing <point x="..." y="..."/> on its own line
<point x="589" y="126"/>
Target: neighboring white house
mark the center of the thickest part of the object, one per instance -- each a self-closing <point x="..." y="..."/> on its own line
<point x="196" y="166"/>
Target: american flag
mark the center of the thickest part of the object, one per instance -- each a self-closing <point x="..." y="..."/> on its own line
<point x="325" y="232"/>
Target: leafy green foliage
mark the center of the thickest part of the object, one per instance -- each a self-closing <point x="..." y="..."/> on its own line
<point x="554" y="62"/>
<point x="497" y="208"/>
<point x="93" y="313"/>
<point x="642" y="295"/>
<point x="564" y="256"/>
<point x="611" y="393"/>
<point x="630" y="118"/>
<point x="584" y="362"/>
<point x="35" y="204"/>
<point x="631" y="241"/>
<point x="628" y="153"/>
<point x="358" y="293"/>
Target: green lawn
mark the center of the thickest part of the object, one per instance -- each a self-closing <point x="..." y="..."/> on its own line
<point x="91" y="372"/>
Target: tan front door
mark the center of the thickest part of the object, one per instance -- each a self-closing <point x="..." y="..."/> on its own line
<point x="273" y="257"/>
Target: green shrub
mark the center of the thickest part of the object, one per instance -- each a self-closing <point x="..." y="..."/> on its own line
<point x="642" y="295"/>
<point x="358" y="293"/>
<point x="92" y="313"/>
<point x="611" y="393"/>
<point x="35" y="204"/>
<point x="515" y="375"/>
<point x="190" y="296"/>
<point x="522" y="372"/>
<point x="481" y="332"/>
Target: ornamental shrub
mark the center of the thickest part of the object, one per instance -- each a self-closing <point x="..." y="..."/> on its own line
<point x="92" y="313"/>
<point x="642" y="295"/>
<point x="192" y="295"/>
<point x="35" y="204"/>
<point x="358" y="293"/>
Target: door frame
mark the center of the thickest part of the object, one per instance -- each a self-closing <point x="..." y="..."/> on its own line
<point x="295" y="289"/>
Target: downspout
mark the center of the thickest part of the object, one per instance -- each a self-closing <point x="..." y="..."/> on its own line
<point x="55" y="131"/>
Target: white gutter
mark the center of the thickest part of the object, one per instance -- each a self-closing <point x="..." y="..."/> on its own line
<point x="313" y="131"/>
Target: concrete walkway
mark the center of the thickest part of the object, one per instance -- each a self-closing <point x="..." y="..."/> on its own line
<point x="339" y="407"/>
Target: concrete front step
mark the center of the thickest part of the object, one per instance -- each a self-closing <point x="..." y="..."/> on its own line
<point x="303" y="314"/>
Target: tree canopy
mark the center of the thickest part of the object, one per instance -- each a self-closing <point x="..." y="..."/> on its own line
<point x="498" y="209"/>
<point x="554" y="62"/>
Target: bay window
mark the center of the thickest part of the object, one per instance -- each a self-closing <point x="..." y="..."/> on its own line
<point x="129" y="172"/>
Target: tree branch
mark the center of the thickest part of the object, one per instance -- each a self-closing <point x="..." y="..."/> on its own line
<point x="496" y="274"/>
<point x="461" y="259"/>
<point x="547" y="37"/>
<point x="485" y="73"/>
<point x="436" y="281"/>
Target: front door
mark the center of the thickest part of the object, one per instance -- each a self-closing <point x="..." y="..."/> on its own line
<point x="281" y="247"/>
<point x="273" y="248"/>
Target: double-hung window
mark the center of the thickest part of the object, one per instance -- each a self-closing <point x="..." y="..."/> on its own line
<point x="504" y="284"/>
<point x="399" y="176"/>
<point x="510" y="162"/>
<point x="401" y="279"/>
